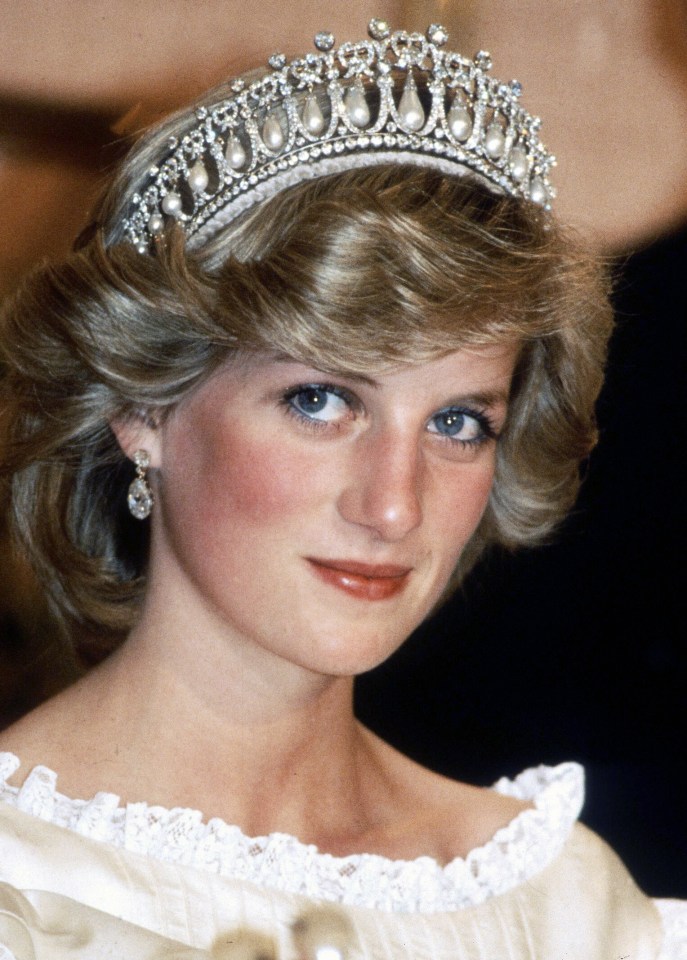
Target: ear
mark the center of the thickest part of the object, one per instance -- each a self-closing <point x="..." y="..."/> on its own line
<point x="139" y="431"/>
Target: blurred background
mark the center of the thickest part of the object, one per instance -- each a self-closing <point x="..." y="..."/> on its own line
<point x="576" y="651"/>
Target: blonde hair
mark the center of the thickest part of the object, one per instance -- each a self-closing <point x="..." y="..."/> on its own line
<point x="359" y="271"/>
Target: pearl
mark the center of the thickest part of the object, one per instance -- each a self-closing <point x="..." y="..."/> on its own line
<point x="410" y="109"/>
<point x="494" y="141"/>
<point x="171" y="204"/>
<point x="518" y="163"/>
<point x="313" y="118"/>
<point x="198" y="178"/>
<point x="538" y="192"/>
<point x="459" y="122"/>
<point x="356" y="107"/>
<point x="156" y="224"/>
<point x="235" y="155"/>
<point x="272" y="134"/>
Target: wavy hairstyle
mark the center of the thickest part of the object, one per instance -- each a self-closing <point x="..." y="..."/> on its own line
<point x="356" y="272"/>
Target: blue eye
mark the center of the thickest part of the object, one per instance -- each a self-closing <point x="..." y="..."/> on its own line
<point x="319" y="403"/>
<point x="463" y="426"/>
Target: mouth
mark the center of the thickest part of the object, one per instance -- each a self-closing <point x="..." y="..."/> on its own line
<point x="365" y="581"/>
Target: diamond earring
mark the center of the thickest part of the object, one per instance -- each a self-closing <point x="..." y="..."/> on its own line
<point x="140" y="496"/>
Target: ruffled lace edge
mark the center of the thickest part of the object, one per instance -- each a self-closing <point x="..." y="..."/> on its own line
<point x="516" y="853"/>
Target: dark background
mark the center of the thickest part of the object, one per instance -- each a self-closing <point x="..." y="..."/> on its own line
<point x="577" y="651"/>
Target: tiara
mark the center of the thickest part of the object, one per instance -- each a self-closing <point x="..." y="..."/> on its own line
<point x="398" y="97"/>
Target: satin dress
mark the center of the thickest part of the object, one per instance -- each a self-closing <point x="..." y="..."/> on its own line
<point x="90" y="880"/>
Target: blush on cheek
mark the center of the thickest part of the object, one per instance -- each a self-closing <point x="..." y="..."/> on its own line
<point x="249" y="485"/>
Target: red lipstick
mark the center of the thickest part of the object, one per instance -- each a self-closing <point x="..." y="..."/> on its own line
<point x="366" y="581"/>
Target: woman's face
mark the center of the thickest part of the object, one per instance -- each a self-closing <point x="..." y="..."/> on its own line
<point x="320" y="516"/>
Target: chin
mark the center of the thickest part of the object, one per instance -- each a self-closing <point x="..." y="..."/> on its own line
<point x="352" y="651"/>
<point x="356" y="644"/>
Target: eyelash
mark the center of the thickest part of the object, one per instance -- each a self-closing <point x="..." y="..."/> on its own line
<point x="287" y="399"/>
<point x="487" y="428"/>
<point x="486" y="425"/>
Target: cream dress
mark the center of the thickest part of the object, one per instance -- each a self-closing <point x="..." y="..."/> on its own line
<point x="90" y="880"/>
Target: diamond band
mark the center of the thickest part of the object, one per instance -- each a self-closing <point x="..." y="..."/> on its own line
<point x="397" y="97"/>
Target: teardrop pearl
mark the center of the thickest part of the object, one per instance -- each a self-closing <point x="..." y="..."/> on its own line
<point x="357" y="108"/>
<point x="272" y="134"/>
<point x="313" y="118"/>
<point x="410" y="109"/>
<point x="235" y="155"/>
<point x="538" y="191"/>
<point x="494" y="141"/>
<point x="198" y="177"/>
<point x="518" y="163"/>
<point x="156" y="224"/>
<point x="459" y="122"/>
<point x="171" y="204"/>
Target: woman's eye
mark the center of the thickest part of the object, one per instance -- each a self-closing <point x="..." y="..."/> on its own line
<point x="320" y="403"/>
<point x="456" y="424"/>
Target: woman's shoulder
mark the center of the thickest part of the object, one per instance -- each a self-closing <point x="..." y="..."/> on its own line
<point x="449" y="819"/>
<point x="39" y="738"/>
<point x="68" y="733"/>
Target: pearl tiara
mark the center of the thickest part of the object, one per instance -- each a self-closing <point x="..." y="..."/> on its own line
<point x="398" y="97"/>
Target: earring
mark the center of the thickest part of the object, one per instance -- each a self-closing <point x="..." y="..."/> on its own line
<point x="140" y="496"/>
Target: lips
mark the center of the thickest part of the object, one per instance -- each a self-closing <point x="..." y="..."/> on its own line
<point x="366" y="581"/>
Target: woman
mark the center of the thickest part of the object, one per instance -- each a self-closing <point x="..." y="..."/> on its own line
<point x="328" y="320"/>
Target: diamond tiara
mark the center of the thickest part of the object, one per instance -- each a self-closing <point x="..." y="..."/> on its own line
<point x="398" y="97"/>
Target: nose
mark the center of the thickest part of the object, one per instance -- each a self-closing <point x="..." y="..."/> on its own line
<point x="383" y="489"/>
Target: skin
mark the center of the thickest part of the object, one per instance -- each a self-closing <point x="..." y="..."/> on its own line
<point x="234" y="691"/>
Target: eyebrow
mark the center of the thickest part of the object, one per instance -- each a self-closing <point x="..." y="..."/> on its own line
<point x="486" y="398"/>
<point x="330" y="371"/>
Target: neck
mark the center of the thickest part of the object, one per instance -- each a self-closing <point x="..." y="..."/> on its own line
<point x="194" y="718"/>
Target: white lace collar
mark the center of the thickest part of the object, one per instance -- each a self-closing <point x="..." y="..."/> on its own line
<point x="515" y="854"/>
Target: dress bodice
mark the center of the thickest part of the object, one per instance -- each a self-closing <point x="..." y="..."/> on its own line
<point x="542" y="883"/>
<point x="180" y="835"/>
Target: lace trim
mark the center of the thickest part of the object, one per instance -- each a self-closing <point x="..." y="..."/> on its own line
<point x="516" y="853"/>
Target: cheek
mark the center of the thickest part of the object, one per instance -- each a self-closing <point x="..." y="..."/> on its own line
<point x="463" y="510"/>
<point x="250" y="484"/>
<point x="478" y="496"/>
<point x="240" y="484"/>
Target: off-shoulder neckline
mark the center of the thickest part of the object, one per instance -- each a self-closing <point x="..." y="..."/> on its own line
<point x="513" y="855"/>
